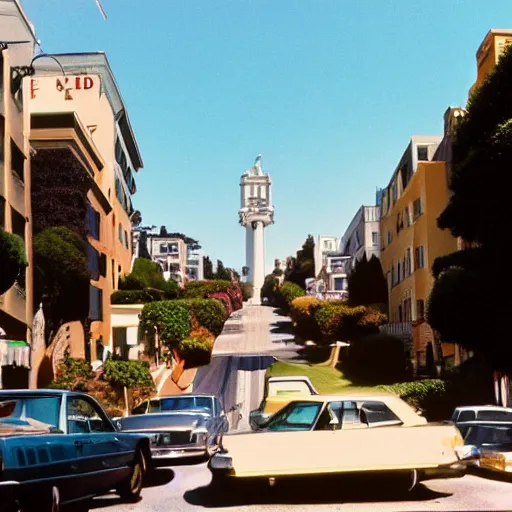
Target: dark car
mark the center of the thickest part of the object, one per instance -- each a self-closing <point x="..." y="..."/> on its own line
<point x="60" y="446"/>
<point x="179" y="426"/>
<point x="473" y="415"/>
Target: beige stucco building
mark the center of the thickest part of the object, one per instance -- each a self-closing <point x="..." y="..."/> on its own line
<point x="77" y="118"/>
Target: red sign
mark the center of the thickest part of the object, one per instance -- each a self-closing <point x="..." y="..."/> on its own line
<point x="66" y="85"/>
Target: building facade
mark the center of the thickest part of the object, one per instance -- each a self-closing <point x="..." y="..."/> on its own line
<point x="195" y="264"/>
<point x="79" y="123"/>
<point x="325" y="246"/>
<point x="16" y="305"/>
<point x="170" y="253"/>
<point x="410" y="241"/>
<point x="362" y="236"/>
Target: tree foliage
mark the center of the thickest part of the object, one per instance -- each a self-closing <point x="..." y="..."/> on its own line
<point x="367" y="284"/>
<point x="61" y="277"/>
<point x="470" y="297"/>
<point x="12" y="259"/>
<point x="303" y="266"/>
<point x="59" y="192"/>
<point x="208" y="268"/>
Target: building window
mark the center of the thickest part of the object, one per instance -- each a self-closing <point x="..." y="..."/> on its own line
<point x="120" y="233"/>
<point x="417" y="208"/>
<point x="420" y="309"/>
<point x="126" y="238"/>
<point x="2" y="121"/>
<point x="93" y="220"/>
<point x="407" y="216"/>
<point x="407" y="264"/>
<point x="400" y="315"/>
<point x="17" y="161"/>
<point x="338" y="283"/>
<point x="375" y="237"/>
<point x="423" y="153"/>
<point x="102" y="264"/>
<point x="390" y="238"/>
<point x="18" y="223"/>
<point x="419" y="257"/>
<point x="95" y="304"/>
<point x="398" y="274"/>
<point x="395" y="191"/>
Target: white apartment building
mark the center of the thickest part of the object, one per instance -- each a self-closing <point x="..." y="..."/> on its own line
<point x="325" y="246"/>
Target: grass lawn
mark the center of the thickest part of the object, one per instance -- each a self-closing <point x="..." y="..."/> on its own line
<point x="328" y="381"/>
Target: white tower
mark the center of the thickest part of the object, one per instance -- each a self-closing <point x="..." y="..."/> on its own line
<point x="256" y="213"/>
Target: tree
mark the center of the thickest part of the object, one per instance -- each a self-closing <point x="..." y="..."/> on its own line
<point x="470" y="299"/>
<point x="303" y="267"/>
<point x="61" y="277"/>
<point x="208" y="268"/>
<point x="12" y="259"/>
<point x="367" y="284"/>
<point x="222" y="273"/>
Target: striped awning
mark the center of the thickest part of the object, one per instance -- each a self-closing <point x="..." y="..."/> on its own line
<point x="14" y="352"/>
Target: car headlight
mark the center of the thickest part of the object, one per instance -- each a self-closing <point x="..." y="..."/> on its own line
<point x="221" y="461"/>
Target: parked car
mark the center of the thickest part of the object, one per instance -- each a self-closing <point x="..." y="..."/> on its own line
<point x="342" y="435"/>
<point x="489" y="446"/>
<point x="470" y="415"/>
<point x="278" y="392"/>
<point x="177" y="434"/>
<point x="60" y="446"/>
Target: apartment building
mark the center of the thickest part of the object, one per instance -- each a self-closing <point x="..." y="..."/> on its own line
<point x="79" y="126"/>
<point x="325" y="245"/>
<point x="170" y="253"/>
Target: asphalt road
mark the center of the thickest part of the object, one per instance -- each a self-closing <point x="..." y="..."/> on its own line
<point x="185" y="488"/>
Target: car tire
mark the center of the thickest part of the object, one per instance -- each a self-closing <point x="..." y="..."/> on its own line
<point x="47" y="502"/>
<point x="409" y="481"/>
<point x="130" y="489"/>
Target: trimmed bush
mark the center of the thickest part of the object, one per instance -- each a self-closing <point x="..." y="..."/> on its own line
<point x="195" y="351"/>
<point x="235" y="293"/>
<point x="290" y="291"/>
<point x="225" y="300"/>
<point x="201" y="289"/>
<point x="12" y="259"/>
<point x="210" y="314"/>
<point x="301" y="313"/>
<point x="137" y="296"/>
<point x="377" y="359"/>
<point x="171" y="317"/>
<point x="247" y="290"/>
<point x="270" y="290"/>
<point x="130" y="374"/>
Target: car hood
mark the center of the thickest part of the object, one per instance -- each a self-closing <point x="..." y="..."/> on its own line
<point x="162" y="421"/>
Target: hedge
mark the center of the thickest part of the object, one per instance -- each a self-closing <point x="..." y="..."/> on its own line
<point x="137" y="296"/>
<point x="301" y="313"/>
<point x="201" y="289"/>
<point x="195" y="351"/>
<point x="225" y="300"/>
<point x="290" y="291"/>
<point x="171" y="317"/>
<point x="209" y="313"/>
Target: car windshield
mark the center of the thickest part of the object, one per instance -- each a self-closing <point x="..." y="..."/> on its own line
<point x="29" y="414"/>
<point x="489" y="435"/>
<point x="158" y="421"/>
<point x="297" y="416"/>
<point x="494" y="415"/>
<point x="186" y="403"/>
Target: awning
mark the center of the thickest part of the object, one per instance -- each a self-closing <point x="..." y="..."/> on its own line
<point x="14" y="352"/>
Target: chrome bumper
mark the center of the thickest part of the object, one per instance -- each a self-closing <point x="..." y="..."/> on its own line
<point x="456" y="470"/>
<point x="159" y="453"/>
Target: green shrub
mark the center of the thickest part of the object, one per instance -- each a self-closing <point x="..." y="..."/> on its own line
<point x="431" y="397"/>
<point x="247" y="290"/>
<point x="130" y="374"/>
<point x="12" y="259"/>
<point x="291" y="291"/>
<point x="201" y="289"/>
<point x="210" y="314"/>
<point x="270" y="290"/>
<point x="301" y="313"/>
<point x="137" y="296"/>
<point x="171" y="317"/>
<point x="376" y="359"/>
<point x="195" y="351"/>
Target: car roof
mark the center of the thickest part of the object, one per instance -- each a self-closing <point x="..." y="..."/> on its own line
<point x="38" y="392"/>
<point x="192" y="395"/>
<point x="357" y="397"/>
<point x="483" y="408"/>
<point x="288" y="378"/>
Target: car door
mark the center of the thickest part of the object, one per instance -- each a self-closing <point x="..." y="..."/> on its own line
<point x="102" y="454"/>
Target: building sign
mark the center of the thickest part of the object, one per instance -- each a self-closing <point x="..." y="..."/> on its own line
<point x="66" y="85"/>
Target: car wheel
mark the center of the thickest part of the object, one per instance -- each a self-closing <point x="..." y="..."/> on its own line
<point x="131" y="488"/>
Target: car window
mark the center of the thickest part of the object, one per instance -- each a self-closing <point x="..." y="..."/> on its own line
<point x="177" y="404"/>
<point x="204" y="402"/>
<point x="218" y="407"/>
<point x="494" y="415"/>
<point x="330" y="418"/>
<point x="154" y="406"/>
<point x="351" y="413"/>
<point x="466" y="416"/>
<point x="29" y="413"/>
<point x="84" y="417"/>
<point x="140" y="409"/>
<point x="297" y="416"/>
<point x="378" y="412"/>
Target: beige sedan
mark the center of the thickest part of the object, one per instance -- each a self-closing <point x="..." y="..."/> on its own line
<point x="323" y="434"/>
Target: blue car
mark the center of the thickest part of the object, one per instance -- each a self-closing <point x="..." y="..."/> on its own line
<point x="59" y="447"/>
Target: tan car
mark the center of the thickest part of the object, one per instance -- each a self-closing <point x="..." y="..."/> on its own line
<point x="323" y="434"/>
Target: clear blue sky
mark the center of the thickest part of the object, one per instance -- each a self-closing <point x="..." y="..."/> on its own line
<point x="329" y="91"/>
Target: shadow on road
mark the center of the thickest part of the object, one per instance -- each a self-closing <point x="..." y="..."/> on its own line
<point x="328" y="491"/>
<point x="487" y="474"/>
